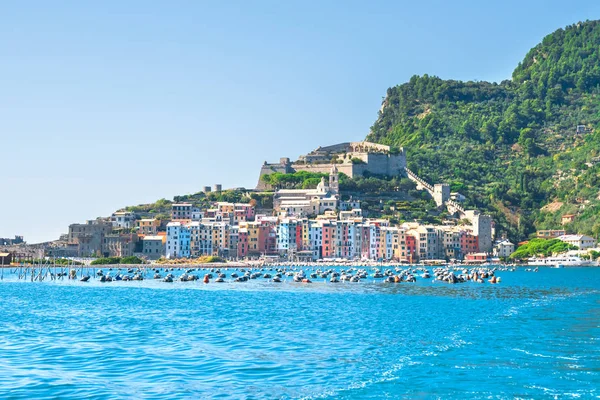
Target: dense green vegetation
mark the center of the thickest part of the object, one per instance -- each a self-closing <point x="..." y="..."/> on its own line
<point x="360" y="184"/>
<point x="511" y="147"/>
<point x="158" y="206"/>
<point x="296" y="180"/>
<point x="541" y="247"/>
<point x="117" y="260"/>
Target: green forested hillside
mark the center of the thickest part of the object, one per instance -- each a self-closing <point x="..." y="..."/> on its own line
<point x="511" y="147"/>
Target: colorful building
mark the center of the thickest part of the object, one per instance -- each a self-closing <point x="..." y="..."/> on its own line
<point x="178" y="240"/>
<point x="181" y="211"/>
<point x="147" y="226"/>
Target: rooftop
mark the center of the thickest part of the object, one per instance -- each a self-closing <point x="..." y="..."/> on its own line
<point x="575" y="237"/>
<point x="153" y="238"/>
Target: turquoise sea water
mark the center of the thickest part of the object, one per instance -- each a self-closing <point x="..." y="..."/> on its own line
<point x="535" y="335"/>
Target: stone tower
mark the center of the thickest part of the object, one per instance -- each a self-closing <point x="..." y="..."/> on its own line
<point x="441" y="193"/>
<point x="334" y="180"/>
<point x="482" y="227"/>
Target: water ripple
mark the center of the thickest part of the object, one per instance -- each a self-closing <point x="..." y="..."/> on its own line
<point x="533" y="336"/>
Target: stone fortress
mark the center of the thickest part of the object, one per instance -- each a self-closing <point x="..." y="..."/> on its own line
<point x="350" y="158"/>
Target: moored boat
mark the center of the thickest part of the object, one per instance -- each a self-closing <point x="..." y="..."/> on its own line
<point x="560" y="261"/>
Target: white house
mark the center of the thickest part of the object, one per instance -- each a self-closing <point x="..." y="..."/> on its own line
<point x="123" y="219"/>
<point x="503" y="248"/>
<point x="581" y="241"/>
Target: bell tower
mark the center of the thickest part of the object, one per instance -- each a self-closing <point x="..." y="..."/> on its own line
<point x="334" y="183"/>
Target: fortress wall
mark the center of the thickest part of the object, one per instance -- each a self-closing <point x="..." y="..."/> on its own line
<point x="337" y="148"/>
<point x="362" y="156"/>
<point x="397" y="163"/>
<point x="370" y="145"/>
<point x="378" y="164"/>
<point x="358" y="169"/>
<point x="325" y="168"/>
<point x="267" y="169"/>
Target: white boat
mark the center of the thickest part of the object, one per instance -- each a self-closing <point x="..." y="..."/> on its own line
<point x="560" y="261"/>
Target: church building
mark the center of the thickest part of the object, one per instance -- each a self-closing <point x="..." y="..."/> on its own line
<point x="310" y="202"/>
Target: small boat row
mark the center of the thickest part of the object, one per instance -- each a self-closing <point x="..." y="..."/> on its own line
<point x="478" y="275"/>
<point x="391" y="275"/>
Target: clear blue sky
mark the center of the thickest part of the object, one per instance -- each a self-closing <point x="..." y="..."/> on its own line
<point x="112" y="103"/>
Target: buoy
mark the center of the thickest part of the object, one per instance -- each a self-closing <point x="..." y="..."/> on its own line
<point x="305" y="280"/>
<point x="206" y="279"/>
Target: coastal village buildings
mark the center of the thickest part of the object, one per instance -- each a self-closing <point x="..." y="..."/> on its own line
<point x="550" y="234"/>
<point x="178" y="240"/>
<point x="427" y="241"/>
<point x="334" y="230"/>
<point x="503" y="248"/>
<point x="120" y="244"/>
<point x="148" y="226"/>
<point x="200" y="239"/>
<point x="582" y="242"/>
<point x="220" y="232"/>
<point x="123" y="219"/>
<point x="153" y="247"/>
<point x="482" y="228"/>
<point x="181" y="211"/>
<point x="469" y="243"/>
<point x="262" y="237"/>
<point x="197" y="214"/>
<point x="87" y="239"/>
